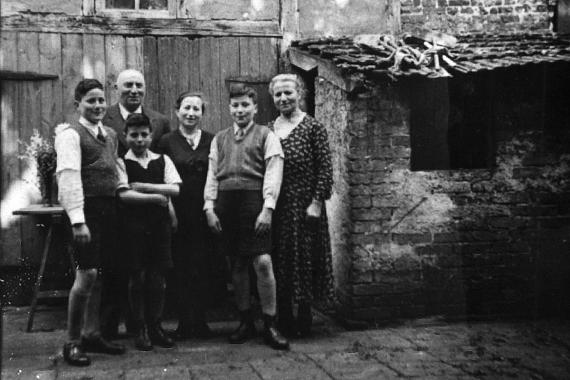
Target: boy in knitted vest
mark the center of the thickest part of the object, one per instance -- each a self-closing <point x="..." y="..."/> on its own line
<point x="242" y="186"/>
<point x="89" y="175"/>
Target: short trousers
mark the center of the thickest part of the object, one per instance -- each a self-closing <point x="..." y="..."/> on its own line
<point x="101" y="218"/>
<point x="238" y="210"/>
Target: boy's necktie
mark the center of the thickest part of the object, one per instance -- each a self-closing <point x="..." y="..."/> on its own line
<point x="240" y="133"/>
<point x="100" y="135"/>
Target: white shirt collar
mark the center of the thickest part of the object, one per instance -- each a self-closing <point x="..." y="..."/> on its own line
<point x="93" y="128"/>
<point x="125" y="113"/>
<point x="194" y="137"/>
<point x="245" y="129"/>
<point x="150" y="155"/>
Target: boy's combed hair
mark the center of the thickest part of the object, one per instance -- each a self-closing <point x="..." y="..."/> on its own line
<point x="137" y="120"/>
<point x="241" y="89"/>
<point x="84" y="86"/>
<point x="190" y="94"/>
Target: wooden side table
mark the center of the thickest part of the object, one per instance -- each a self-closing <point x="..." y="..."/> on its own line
<point x="51" y="215"/>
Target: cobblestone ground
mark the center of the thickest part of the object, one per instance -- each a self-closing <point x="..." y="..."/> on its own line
<point x="427" y="349"/>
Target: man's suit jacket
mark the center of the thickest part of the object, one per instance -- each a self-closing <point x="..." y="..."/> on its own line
<point x="160" y="126"/>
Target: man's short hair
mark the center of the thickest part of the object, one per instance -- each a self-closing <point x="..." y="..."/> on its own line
<point x="137" y="120"/>
<point x="84" y="86"/>
<point x="241" y="89"/>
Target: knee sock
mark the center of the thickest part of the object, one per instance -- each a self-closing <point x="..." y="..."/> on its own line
<point x="155" y="287"/>
<point x="136" y="297"/>
<point x="77" y="304"/>
<point x="91" y="318"/>
<point x="240" y="280"/>
<point x="265" y="284"/>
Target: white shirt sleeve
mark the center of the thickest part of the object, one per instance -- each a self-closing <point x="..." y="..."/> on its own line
<point x="122" y="177"/>
<point x="68" y="171"/>
<point x="272" y="181"/>
<point x="170" y="173"/>
<point x="211" y="187"/>
<point x="273" y="146"/>
<point x="273" y="170"/>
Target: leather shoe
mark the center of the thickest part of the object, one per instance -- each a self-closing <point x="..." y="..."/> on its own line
<point x="246" y="329"/>
<point x="100" y="345"/>
<point x="159" y="337"/>
<point x="272" y="336"/>
<point x="142" y="341"/>
<point x="73" y="354"/>
<point x="244" y="332"/>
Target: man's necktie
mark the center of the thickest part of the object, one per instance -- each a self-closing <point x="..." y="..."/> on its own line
<point x="100" y="135"/>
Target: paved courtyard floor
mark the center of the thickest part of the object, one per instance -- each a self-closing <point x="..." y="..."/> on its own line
<point x="421" y="349"/>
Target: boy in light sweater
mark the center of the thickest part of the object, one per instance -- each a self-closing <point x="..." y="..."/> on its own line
<point x="242" y="187"/>
<point x="89" y="175"/>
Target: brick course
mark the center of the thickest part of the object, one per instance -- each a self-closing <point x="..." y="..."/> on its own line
<point x="476" y="242"/>
<point x="455" y="16"/>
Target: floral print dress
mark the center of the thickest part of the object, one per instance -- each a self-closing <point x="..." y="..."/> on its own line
<point x="302" y="256"/>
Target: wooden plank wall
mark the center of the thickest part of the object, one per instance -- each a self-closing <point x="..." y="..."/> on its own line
<point x="171" y="65"/>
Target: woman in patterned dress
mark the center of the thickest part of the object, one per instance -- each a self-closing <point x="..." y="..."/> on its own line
<point x="200" y="279"/>
<point x="302" y="251"/>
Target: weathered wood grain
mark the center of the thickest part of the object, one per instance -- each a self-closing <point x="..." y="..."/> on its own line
<point x="151" y="74"/>
<point x="9" y="166"/>
<point x="29" y="107"/>
<point x="134" y="47"/>
<point x="195" y="65"/>
<point x="167" y="68"/>
<point x="94" y="57"/>
<point x="55" y="23"/>
<point x="206" y="45"/>
<point x="50" y="90"/>
<point x="229" y="68"/>
<point x="115" y="62"/>
<point x="72" y="72"/>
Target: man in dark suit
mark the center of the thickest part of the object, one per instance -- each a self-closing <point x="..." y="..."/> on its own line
<point x="131" y="88"/>
<point x="114" y="303"/>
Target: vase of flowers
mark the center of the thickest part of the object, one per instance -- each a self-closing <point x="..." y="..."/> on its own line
<point x="41" y="156"/>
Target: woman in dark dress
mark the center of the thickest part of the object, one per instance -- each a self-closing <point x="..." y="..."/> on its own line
<point x="302" y="251"/>
<point x="193" y="254"/>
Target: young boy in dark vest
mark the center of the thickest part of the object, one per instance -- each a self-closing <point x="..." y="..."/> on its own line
<point x="88" y="176"/>
<point x="242" y="186"/>
<point x="147" y="230"/>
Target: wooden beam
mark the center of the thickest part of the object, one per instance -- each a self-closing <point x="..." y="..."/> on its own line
<point x="56" y="23"/>
<point x="25" y="75"/>
<point x="326" y="69"/>
<point x="289" y="22"/>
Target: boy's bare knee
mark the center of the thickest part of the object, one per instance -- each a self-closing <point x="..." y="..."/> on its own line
<point x="84" y="281"/>
<point x="87" y="275"/>
<point x="263" y="265"/>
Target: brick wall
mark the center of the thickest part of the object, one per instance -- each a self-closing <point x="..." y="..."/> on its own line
<point x="333" y="110"/>
<point x="455" y="16"/>
<point x="453" y="242"/>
